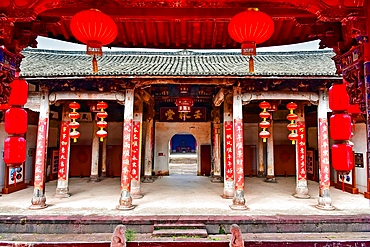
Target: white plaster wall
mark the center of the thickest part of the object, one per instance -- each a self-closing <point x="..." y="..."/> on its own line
<point x="31" y="137"/>
<point x="165" y="131"/>
<point x="359" y="139"/>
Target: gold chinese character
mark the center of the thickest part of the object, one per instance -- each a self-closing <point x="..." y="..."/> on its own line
<point x="197" y="114"/>
<point x="169" y="114"/>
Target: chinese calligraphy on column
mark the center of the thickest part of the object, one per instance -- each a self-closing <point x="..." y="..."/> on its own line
<point x="229" y="163"/>
<point x="63" y="151"/>
<point x="136" y="136"/>
<point x="301" y="147"/>
<point x="239" y="154"/>
<point x="324" y="154"/>
<point x="40" y="154"/>
<point x="126" y="155"/>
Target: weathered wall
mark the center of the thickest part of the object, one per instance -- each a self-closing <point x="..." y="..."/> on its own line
<point x="359" y="139"/>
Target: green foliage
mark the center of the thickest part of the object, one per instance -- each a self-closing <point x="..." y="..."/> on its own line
<point x="130" y="235"/>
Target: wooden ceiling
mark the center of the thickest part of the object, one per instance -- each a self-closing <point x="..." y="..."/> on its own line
<point x="182" y="24"/>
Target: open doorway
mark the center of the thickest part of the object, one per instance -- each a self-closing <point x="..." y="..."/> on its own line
<point x="183" y="158"/>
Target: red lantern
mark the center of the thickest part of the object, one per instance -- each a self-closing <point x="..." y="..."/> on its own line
<point x="14" y="150"/>
<point x="264" y="134"/>
<point x="184" y="105"/>
<point x="74" y="124"/>
<point x="95" y="29"/>
<point x="102" y="124"/>
<point x="342" y="157"/>
<point x="16" y="121"/>
<point x="19" y="92"/>
<point x="4" y="107"/>
<point x="292" y="126"/>
<point x="340" y="127"/>
<point x="338" y="97"/>
<point x="251" y="27"/>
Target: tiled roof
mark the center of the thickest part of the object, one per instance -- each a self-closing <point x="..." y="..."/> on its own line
<point x="50" y="63"/>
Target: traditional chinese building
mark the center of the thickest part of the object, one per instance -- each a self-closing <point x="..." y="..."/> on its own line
<point x="148" y="98"/>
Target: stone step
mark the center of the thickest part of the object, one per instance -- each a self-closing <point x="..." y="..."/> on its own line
<point x="201" y="233"/>
<point x="159" y="226"/>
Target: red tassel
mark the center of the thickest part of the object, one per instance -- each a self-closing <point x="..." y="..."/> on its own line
<point x="343" y="184"/>
<point x="251" y="64"/>
<point x="15" y="177"/>
<point x="95" y="65"/>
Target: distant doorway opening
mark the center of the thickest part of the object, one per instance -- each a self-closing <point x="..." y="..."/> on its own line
<point x="183" y="158"/>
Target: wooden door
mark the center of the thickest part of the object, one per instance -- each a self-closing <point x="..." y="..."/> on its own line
<point x="80" y="161"/>
<point x="284" y="160"/>
<point x="114" y="160"/>
<point x="250" y="162"/>
<point x="205" y="160"/>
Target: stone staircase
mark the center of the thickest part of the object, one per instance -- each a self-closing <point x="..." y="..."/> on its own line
<point x="195" y="230"/>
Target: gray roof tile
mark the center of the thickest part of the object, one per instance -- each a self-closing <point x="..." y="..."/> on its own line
<point x="50" y="63"/>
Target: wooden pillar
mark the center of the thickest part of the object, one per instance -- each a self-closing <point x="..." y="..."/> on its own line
<point x="216" y="146"/>
<point x="64" y="154"/>
<point x="270" y="176"/>
<point x="104" y="158"/>
<point x="324" y="200"/>
<point x="301" y="189"/>
<point x="229" y="185"/>
<point x="261" y="163"/>
<point x="367" y="101"/>
<point x="125" y="201"/>
<point x="136" y="149"/>
<point x="149" y="146"/>
<point x="94" y="175"/>
<point x="39" y="199"/>
<point x="238" y="134"/>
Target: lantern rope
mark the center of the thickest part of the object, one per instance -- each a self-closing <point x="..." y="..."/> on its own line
<point x="251" y="64"/>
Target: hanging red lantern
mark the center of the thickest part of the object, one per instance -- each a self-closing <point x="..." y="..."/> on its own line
<point x="4" y="107"/>
<point x="338" y="97"/>
<point x="184" y="105"/>
<point x="340" y="127"/>
<point x="292" y="126"/>
<point x="14" y="150"/>
<point x="251" y="27"/>
<point x="16" y="121"/>
<point x="101" y="133"/>
<point x="264" y="134"/>
<point x="74" y="124"/>
<point x="342" y="157"/>
<point x="19" y="92"/>
<point x="95" y="29"/>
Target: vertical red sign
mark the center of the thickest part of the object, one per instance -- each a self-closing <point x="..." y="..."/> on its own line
<point x="63" y="150"/>
<point x="324" y="154"/>
<point x="136" y="136"/>
<point x="126" y="155"/>
<point x="229" y="164"/>
<point x="40" y="154"/>
<point x="239" y="154"/>
<point x="301" y="148"/>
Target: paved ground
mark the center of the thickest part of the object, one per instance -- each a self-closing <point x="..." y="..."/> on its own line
<point x="183" y="195"/>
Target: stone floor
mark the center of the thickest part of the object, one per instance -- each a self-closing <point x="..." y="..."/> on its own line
<point x="183" y="195"/>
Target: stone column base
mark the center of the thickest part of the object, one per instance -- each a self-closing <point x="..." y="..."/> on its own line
<point x="62" y="193"/>
<point x="217" y="179"/>
<point x="260" y="174"/>
<point x="38" y="203"/>
<point x="238" y="201"/>
<point x="125" y="201"/>
<point x="324" y="201"/>
<point x="148" y="179"/>
<point x="301" y="193"/>
<point x="94" y="178"/>
<point x="270" y="179"/>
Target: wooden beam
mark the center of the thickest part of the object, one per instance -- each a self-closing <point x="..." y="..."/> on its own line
<point x="270" y="95"/>
<point x="66" y="95"/>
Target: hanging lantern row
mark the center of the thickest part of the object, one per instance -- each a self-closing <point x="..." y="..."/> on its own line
<point x="184" y="105"/>
<point x="16" y="124"/>
<point x="101" y="133"/>
<point x="74" y="124"/>
<point x="249" y="28"/>
<point x="292" y="126"/>
<point x="95" y="29"/>
<point x="340" y="129"/>
<point x="264" y="125"/>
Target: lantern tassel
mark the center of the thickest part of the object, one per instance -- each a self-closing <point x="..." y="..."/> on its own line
<point x="95" y="65"/>
<point x="343" y="183"/>
<point x="251" y="64"/>
<point x="15" y="177"/>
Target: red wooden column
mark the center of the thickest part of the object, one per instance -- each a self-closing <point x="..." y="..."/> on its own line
<point x="367" y="98"/>
<point x="39" y="199"/>
<point x="301" y="189"/>
<point x="149" y="145"/>
<point x="125" y="201"/>
<point x="229" y="185"/>
<point x="136" y="149"/>
<point x="324" y="200"/>
<point x="64" y="151"/>
<point x="238" y="135"/>
<point x="216" y="146"/>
